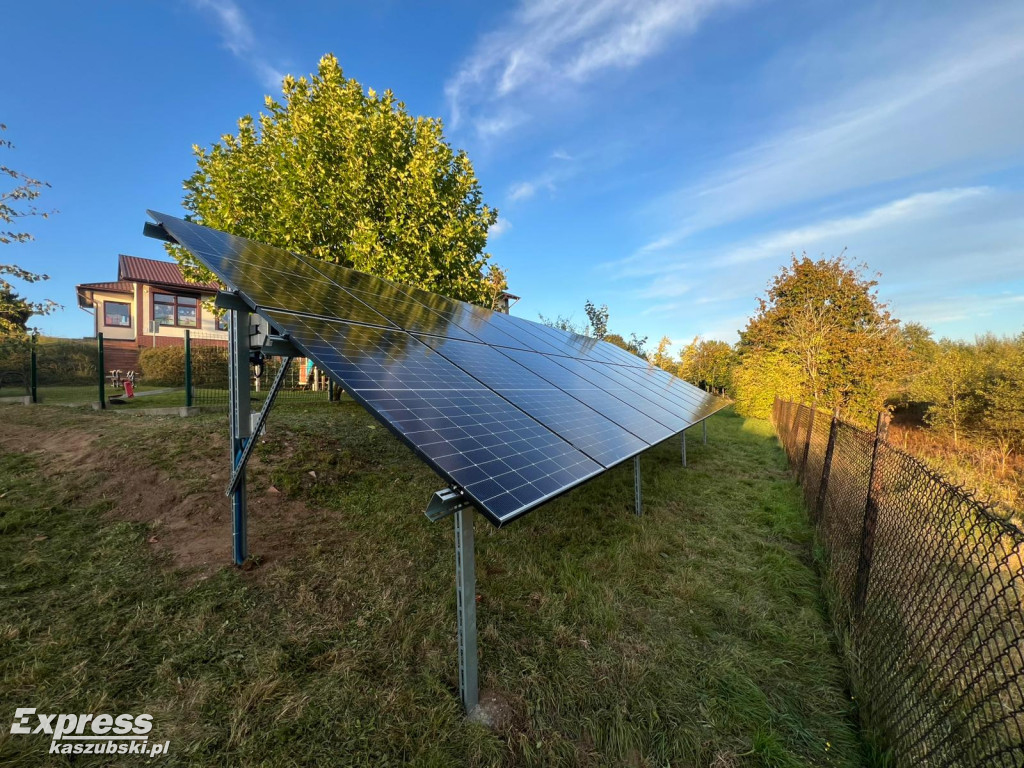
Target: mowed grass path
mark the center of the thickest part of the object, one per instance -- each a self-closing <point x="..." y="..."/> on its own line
<point x="692" y="636"/>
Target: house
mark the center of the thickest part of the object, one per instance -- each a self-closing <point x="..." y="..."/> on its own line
<point x="149" y="305"/>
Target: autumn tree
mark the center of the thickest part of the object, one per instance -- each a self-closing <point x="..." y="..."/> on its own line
<point x="707" y="363"/>
<point x="952" y="387"/>
<point x="1002" y="420"/>
<point x="825" y="320"/>
<point x="635" y="345"/>
<point x="16" y="204"/>
<point x="347" y="175"/>
<point x="661" y="357"/>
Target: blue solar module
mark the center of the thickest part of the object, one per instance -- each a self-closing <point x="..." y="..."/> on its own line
<point x="504" y="459"/>
<point x="511" y="412"/>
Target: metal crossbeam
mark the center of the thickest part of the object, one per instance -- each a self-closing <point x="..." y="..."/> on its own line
<point x="261" y="420"/>
<point x="465" y="596"/>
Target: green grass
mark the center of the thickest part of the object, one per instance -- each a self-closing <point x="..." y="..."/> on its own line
<point x="88" y="393"/>
<point x="692" y="636"/>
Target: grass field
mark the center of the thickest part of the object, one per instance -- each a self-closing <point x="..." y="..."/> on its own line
<point x="692" y="636"/>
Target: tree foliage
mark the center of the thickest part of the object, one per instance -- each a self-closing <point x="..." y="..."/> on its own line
<point x="350" y="177"/>
<point x="596" y="327"/>
<point x="825" y="320"/>
<point x="707" y="364"/>
<point x="661" y="356"/>
<point x="598" y="319"/>
<point x="17" y="203"/>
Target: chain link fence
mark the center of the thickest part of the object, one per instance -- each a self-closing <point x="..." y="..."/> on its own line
<point x="926" y="589"/>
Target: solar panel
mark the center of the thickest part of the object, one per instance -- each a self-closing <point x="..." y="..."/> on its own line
<point x="511" y="412"/>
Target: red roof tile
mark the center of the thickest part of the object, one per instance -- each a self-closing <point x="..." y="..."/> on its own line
<point x="121" y="286"/>
<point x="134" y="269"/>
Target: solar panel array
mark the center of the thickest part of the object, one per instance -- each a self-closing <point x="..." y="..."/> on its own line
<point x="512" y="412"/>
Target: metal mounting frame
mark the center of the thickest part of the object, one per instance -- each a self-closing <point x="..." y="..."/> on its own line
<point x="257" y="428"/>
<point x="241" y="427"/>
<point x="637" y="489"/>
<point x="452" y="502"/>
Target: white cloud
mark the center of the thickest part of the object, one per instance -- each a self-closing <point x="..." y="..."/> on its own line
<point x="522" y="190"/>
<point x="950" y="258"/>
<point x="500" y="227"/>
<point x="551" y="47"/>
<point x="939" y="108"/>
<point x="238" y="37"/>
<point x="560" y="154"/>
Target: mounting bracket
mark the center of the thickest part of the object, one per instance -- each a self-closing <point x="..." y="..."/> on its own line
<point x="444" y="503"/>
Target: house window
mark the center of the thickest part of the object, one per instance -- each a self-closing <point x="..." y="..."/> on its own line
<point x="222" y="323"/>
<point x="117" y="313"/>
<point x="182" y="311"/>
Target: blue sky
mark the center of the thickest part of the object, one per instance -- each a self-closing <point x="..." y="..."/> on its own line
<point x="661" y="157"/>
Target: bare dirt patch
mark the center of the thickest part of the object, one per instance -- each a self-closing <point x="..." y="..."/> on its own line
<point x="191" y="527"/>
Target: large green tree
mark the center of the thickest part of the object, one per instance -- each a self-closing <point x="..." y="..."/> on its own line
<point x="17" y="203"/>
<point x="344" y="174"/>
<point x="707" y="363"/>
<point x="825" y="319"/>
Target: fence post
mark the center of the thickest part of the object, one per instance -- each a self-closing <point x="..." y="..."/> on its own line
<point x="34" y="374"/>
<point x="826" y="468"/>
<point x="102" y="376"/>
<point x="867" y="539"/>
<point x="188" y="369"/>
<point x="807" y="443"/>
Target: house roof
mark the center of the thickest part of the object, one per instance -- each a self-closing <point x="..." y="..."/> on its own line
<point x="134" y="269"/>
<point x="121" y="286"/>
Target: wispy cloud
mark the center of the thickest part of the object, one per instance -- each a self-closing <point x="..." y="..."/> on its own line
<point x="238" y="37"/>
<point x="957" y="106"/>
<point x="522" y="190"/>
<point x="548" y="48"/>
<point x="930" y="247"/>
<point x="501" y="226"/>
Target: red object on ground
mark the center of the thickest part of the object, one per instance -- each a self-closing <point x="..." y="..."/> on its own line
<point x="129" y="388"/>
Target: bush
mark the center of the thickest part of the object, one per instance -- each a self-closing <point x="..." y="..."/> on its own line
<point x="209" y="367"/>
<point x="163" y="366"/>
<point x="66" y="362"/>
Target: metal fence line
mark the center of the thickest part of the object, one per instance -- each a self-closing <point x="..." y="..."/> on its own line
<point x="76" y="372"/>
<point x="926" y="587"/>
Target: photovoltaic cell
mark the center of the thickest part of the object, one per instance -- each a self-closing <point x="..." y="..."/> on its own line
<point x="507" y="461"/>
<point x="584" y="427"/>
<point x="512" y="412"/>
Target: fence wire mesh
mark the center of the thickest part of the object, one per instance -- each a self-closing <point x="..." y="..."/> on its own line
<point x="926" y="587"/>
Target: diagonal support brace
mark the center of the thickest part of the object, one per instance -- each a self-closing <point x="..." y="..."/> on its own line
<point x="250" y="444"/>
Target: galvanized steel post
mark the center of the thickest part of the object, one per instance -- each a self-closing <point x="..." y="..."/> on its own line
<point x="188" y="369"/>
<point x="684" y="447"/>
<point x="704" y="426"/>
<point x="238" y="392"/>
<point x="465" y="598"/>
<point x="102" y="375"/>
<point x="34" y="374"/>
<point x="637" y="491"/>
